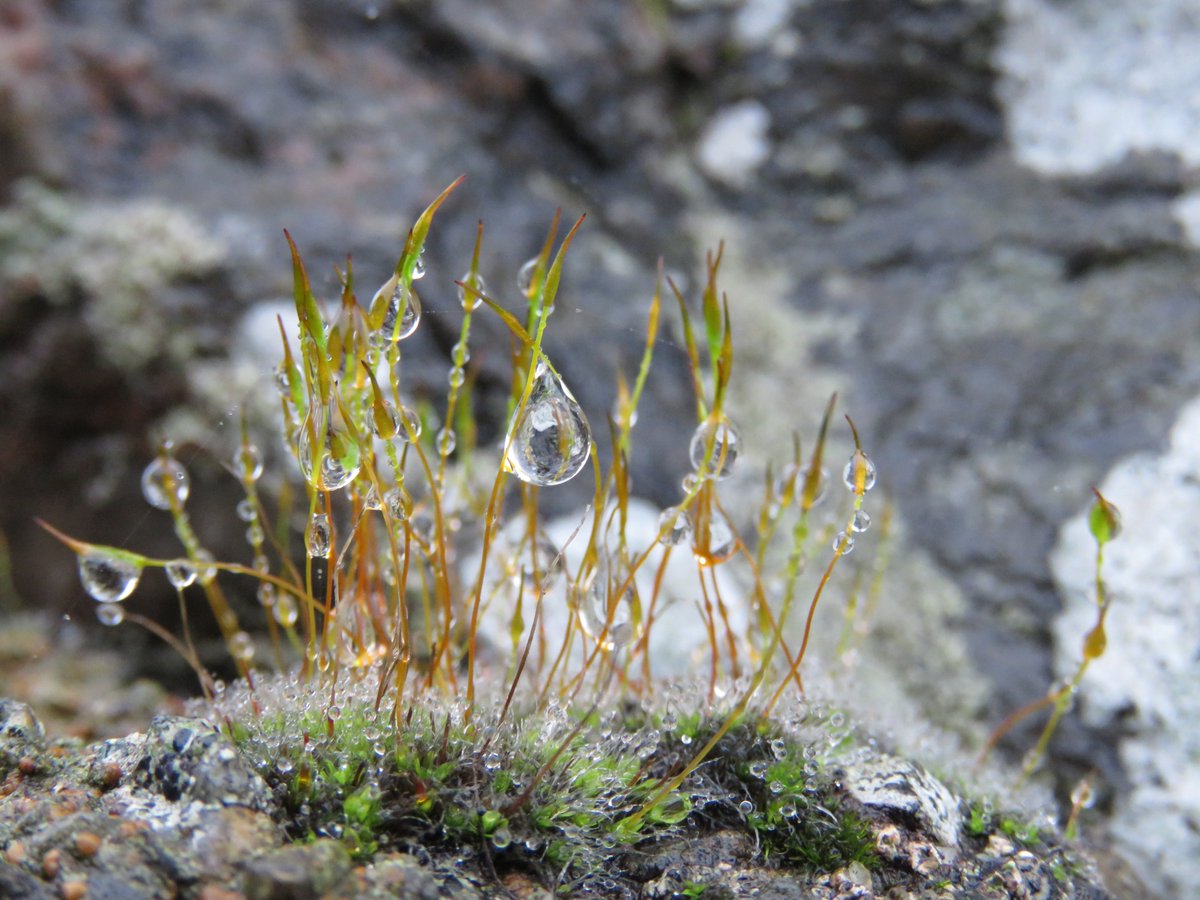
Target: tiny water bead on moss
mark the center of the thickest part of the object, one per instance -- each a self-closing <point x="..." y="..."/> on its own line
<point x="164" y="482"/>
<point x="550" y="440"/>
<point x="107" y="577"/>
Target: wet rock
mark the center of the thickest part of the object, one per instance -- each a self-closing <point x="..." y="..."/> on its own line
<point x="189" y="759"/>
<point x="300" y="872"/>
<point x="901" y="787"/>
<point x="21" y="733"/>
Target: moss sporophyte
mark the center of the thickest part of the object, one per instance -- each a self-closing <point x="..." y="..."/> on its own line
<point x="450" y="671"/>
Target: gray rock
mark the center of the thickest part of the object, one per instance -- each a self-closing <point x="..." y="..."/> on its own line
<point x="299" y="872"/>
<point x="188" y="759"/>
<point x="895" y="785"/>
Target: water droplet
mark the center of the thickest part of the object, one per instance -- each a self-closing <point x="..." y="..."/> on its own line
<point x="339" y="453"/>
<point x="110" y="614"/>
<point x="204" y="573"/>
<point x="318" y="535"/>
<point x="470" y="302"/>
<point x="746" y="807"/>
<point x="419" y="266"/>
<point x="334" y="712"/>
<point x="549" y="440"/>
<point x="525" y="275"/>
<point x="758" y="769"/>
<point x="843" y="541"/>
<point x="267" y="594"/>
<point x="862" y="521"/>
<point x="775" y="787"/>
<point x="461" y="352"/>
<point x="713" y="538"/>
<point x="107" y="578"/>
<point x="715" y="448"/>
<point x="255" y="534"/>
<point x="787" y="811"/>
<point x="778" y="749"/>
<point x="284" y="766"/>
<point x="599" y="605"/>
<point x="491" y="762"/>
<point x="396" y="505"/>
<point x="403" y="313"/>
<point x="246" y="511"/>
<point x="414" y="423"/>
<point x="165" y="478"/>
<point x="446" y="439"/>
<point x="180" y="573"/>
<point x="620" y="634"/>
<point x="241" y="647"/>
<point x="501" y="837"/>
<point x="247" y="463"/>
<point x="673" y="527"/>
<point x="685" y="739"/>
<point x="285" y="610"/>
<point x="282" y="381"/>
<point x="859" y="463"/>
<point x="456" y="377"/>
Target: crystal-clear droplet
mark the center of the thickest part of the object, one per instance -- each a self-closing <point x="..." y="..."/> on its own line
<point x="318" y="535"/>
<point x="715" y="448"/>
<point x="549" y="440"/>
<point x="600" y="606"/>
<point x="491" y="762"/>
<point x="107" y="578"/>
<point x="673" y="527"/>
<point x="746" y="807"/>
<point x="844" y="542"/>
<point x="858" y="458"/>
<point x="396" y="505"/>
<point x="241" y="647"/>
<point x="501" y="837"/>
<point x="861" y="522"/>
<point x="165" y="478"/>
<point x="372" y="499"/>
<point x="525" y="275"/>
<point x="246" y="511"/>
<point x="285" y="610"/>
<point x="470" y="302"/>
<point x="110" y="614"/>
<point x="446" y="440"/>
<point x="268" y="594"/>
<point x="282" y="381"/>
<point x="456" y="377"/>
<point x="181" y="573"/>
<point x="413" y="430"/>
<point x="340" y="458"/>
<point x="403" y="313"/>
<point x="419" y="266"/>
<point x="713" y="537"/>
<point x="204" y="573"/>
<point x="461" y="352"/>
<point x="247" y="463"/>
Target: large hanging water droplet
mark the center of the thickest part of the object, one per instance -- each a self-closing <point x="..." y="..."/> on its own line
<point x="550" y="440"/>
<point x="403" y="313"/>
<point x="715" y="448"/>
<point x="107" y="578"/>
<point x="318" y="535"/>
<point x="163" y="479"/>
<point x="326" y="437"/>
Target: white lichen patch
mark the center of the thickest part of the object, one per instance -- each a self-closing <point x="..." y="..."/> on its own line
<point x="1088" y="82"/>
<point x="118" y="256"/>
<point x="1148" y="678"/>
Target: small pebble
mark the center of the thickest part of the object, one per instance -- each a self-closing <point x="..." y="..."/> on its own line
<point x="88" y="843"/>
<point x="14" y="853"/>
<point x="74" y="890"/>
<point x="51" y="862"/>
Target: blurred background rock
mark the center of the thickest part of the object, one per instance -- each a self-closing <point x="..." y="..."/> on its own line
<point x="975" y="219"/>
